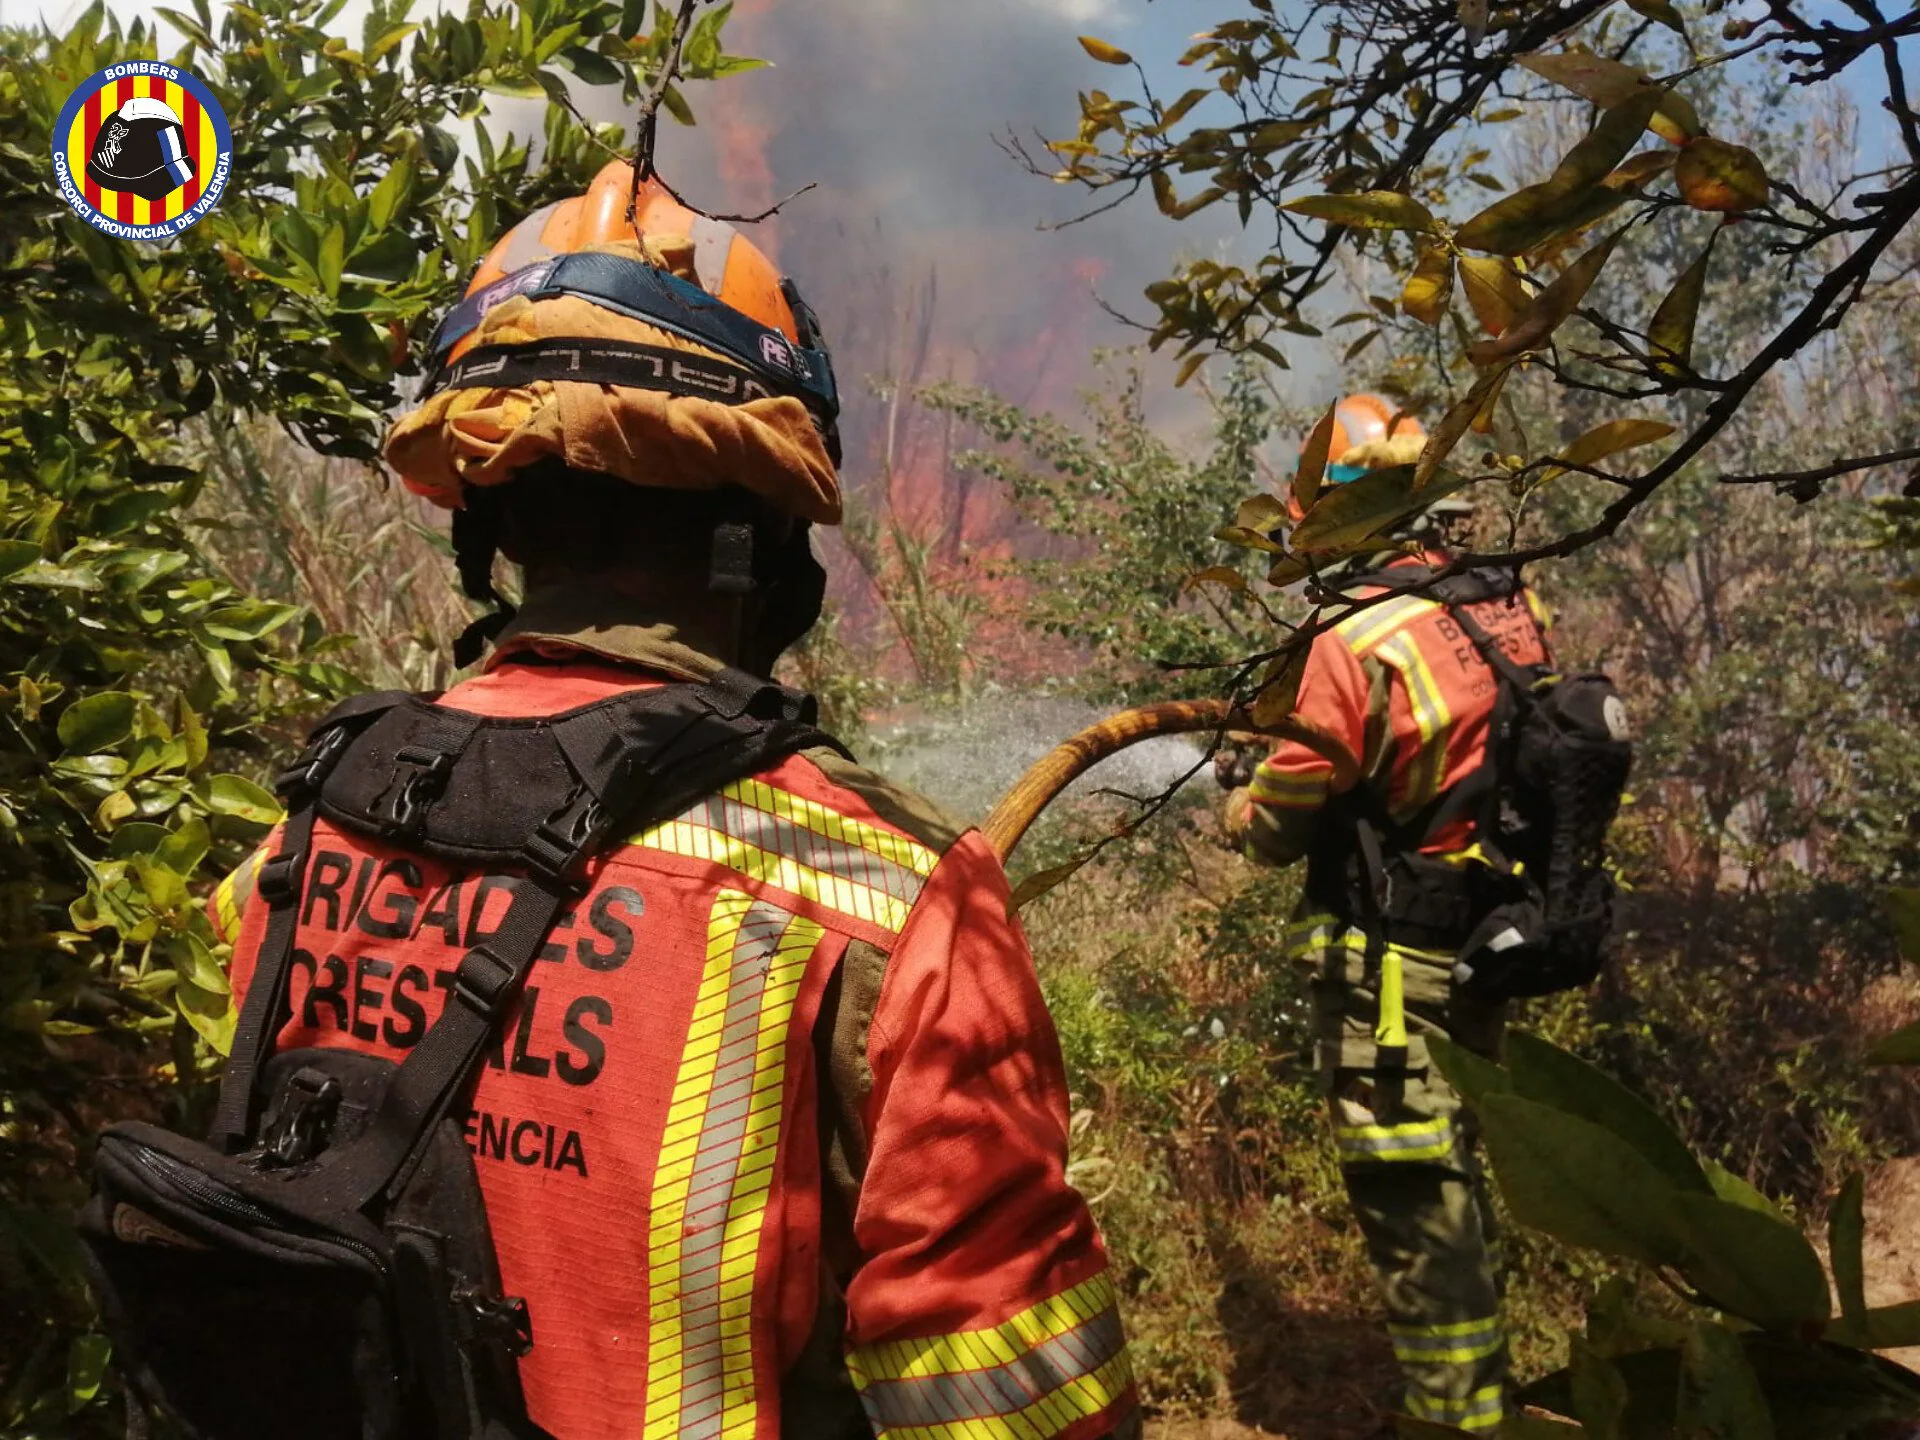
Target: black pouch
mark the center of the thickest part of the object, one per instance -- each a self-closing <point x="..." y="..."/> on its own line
<point x="401" y="1325"/>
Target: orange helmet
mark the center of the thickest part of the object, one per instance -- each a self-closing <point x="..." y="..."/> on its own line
<point x="668" y="351"/>
<point x="1369" y="433"/>
<point x="728" y="266"/>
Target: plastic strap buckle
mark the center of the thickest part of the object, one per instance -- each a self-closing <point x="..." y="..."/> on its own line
<point x="307" y="773"/>
<point x="275" y="882"/>
<point x="560" y="842"/>
<point x="419" y="789"/>
<point x="483" y="982"/>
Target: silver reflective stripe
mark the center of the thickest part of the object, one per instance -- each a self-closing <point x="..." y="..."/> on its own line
<point x="712" y="245"/>
<point x="777" y="836"/>
<point x="524" y="245"/>
<point x="716" y="1174"/>
<point x="1394" y="1142"/>
<point x="1003" y="1389"/>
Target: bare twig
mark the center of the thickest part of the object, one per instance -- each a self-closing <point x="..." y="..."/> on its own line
<point x="647" y="134"/>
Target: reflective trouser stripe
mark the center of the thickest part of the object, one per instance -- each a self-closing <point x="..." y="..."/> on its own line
<point x="1482" y="1410"/>
<point x="1307" y="939"/>
<point x="1416" y="1140"/>
<point x="1448" y="1344"/>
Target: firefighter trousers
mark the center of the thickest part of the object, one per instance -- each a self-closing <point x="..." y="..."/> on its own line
<point x="1409" y="1156"/>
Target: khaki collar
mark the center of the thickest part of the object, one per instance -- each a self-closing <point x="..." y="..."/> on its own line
<point x="664" y="634"/>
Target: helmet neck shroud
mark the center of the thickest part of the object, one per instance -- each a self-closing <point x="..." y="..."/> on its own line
<point x="727" y="551"/>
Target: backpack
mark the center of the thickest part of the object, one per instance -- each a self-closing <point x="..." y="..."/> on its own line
<point x="321" y="1269"/>
<point x="1536" y="915"/>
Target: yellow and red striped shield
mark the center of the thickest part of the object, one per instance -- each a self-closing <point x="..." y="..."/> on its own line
<point x="142" y="150"/>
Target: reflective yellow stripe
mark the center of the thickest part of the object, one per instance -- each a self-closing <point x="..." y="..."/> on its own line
<point x="799" y="845"/>
<point x="1290" y="788"/>
<point x="717" y="1154"/>
<point x="1483" y="1410"/>
<point x="230" y="898"/>
<point x="1367" y="629"/>
<point x="1432" y="717"/>
<point x="1030" y="1378"/>
<point x="1456" y="1344"/>
<point x="1420" y="1140"/>
<point x="1306" y="939"/>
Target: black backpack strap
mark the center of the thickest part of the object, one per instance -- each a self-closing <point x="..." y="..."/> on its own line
<point x="279" y="883"/>
<point x="633" y="765"/>
<point x="1491" y="651"/>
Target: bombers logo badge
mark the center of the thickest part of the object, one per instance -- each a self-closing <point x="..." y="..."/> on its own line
<point x="142" y="150"/>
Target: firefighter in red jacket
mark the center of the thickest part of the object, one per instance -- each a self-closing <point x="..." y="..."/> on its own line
<point x="1408" y="696"/>
<point x="776" y="1143"/>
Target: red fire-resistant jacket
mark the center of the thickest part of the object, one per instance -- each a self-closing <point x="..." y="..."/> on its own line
<point x="777" y="1135"/>
<point x="1402" y="689"/>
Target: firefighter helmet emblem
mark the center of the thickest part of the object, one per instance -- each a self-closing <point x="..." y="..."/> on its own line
<point x="142" y="150"/>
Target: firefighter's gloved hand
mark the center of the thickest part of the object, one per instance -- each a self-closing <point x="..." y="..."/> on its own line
<point x="1233" y="766"/>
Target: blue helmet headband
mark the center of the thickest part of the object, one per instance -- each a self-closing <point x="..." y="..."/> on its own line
<point x="1345" y="474"/>
<point x="759" y="361"/>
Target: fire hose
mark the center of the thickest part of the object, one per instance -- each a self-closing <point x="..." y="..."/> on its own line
<point x="1074" y="756"/>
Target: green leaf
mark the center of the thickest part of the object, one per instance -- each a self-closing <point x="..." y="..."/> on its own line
<point x="388" y="196"/>
<point x="1846" y="1234"/>
<point x="248" y="619"/>
<point x="184" y="849"/>
<point x="1608" y="82"/>
<point x="1455" y="423"/>
<point x="1531" y="217"/>
<point x="1103" y="52"/>
<point x="193" y="961"/>
<point x="1610" y="437"/>
<point x="595" y="68"/>
<point x="1599" y="1391"/>
<point x="676" y="105"/>
<point x="1348" y="515"/>
<point x="516" y="88"/>
<point x="1662" y="12"/>
<point x="1732" y="1188"/>
<point x="1609" y="142"/>
<point x="1720" y="1395"/>
<point x="209" y="1012"/>
<point x="17" y="555"/>
<point x="1368" y="210"/>
<point x="1579" y="1182"/>
<point x="1549" y="1075"/>
<point x="238" y="796"/>
<point x="96" y="722"/>
<point x="1671" y="329"/>
<point x="1474" y="1076"/>
<point x="1891" y="1327"/>
<point x="387" y="41"/>
<point x="1749" y="1263"/>
<point x="332" y="257"/>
